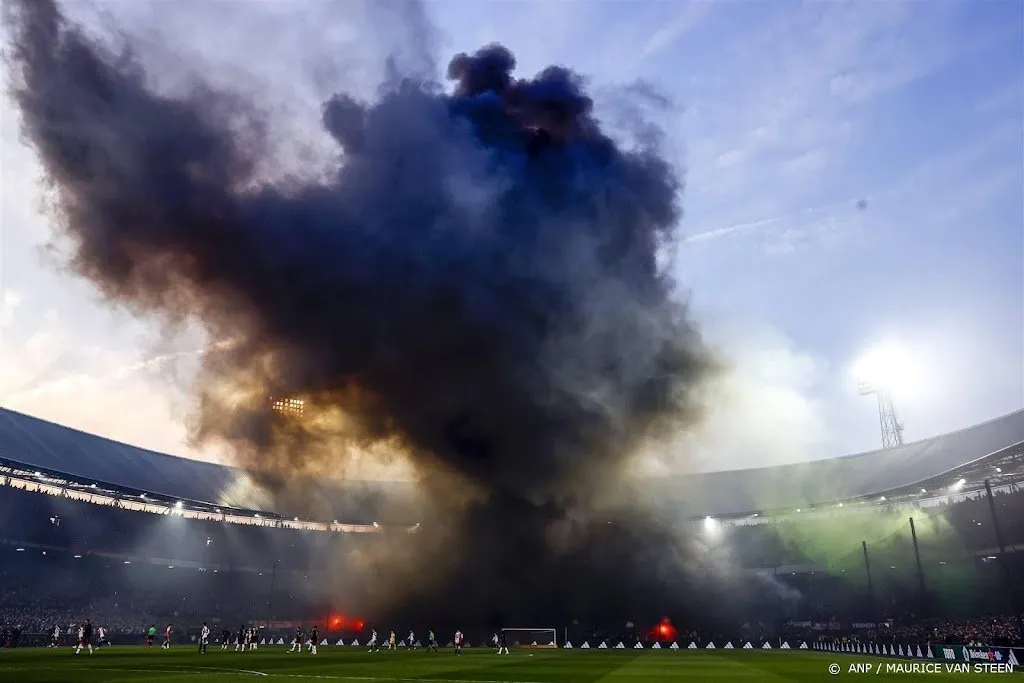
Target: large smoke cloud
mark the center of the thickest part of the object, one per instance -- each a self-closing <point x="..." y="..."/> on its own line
<point x="474" y="286"/>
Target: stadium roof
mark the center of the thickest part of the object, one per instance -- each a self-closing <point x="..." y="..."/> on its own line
<point x="844" y="478"/>
<point x="35" y="444"/>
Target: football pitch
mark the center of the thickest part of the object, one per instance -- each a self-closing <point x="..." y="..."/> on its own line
<point x="355" y="664"/>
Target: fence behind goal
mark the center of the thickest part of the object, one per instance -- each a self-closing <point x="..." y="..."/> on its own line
<point x="531" y="637"/>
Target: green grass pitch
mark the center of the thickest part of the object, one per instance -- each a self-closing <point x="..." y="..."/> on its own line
<point x="275" y="665"/>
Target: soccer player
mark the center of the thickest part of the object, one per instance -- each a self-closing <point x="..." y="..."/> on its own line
<point x="412" y="640"/>
<point x="55" y="637"/>
<point x="204" y="638"/>
<point x="431" y="642"/>
<point x="373" y="641"/>
<point x="240" y="641"/>
<point x="151" y="635"/>
<point x="392" y="645"/>
<point x="313" y="635"/>
<point x="84" y="637"/>
<point x="502" y="645"/>
<point x="167" y="637"/>
<point x="225" y="636"/>
<point x="297" y="642"/>
<point x="458" y="642"/>
<point x="494" y="641"/>
<point x="102" y="632"/>
<point x="254" y="637"/>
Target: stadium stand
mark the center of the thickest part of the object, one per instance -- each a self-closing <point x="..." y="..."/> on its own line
<point x="37" y="445"/>
<point x="134" y="537"/>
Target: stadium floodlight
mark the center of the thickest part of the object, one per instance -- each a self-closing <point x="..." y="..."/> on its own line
<point x="179" y="505"/>
<point x="880" y="372"/>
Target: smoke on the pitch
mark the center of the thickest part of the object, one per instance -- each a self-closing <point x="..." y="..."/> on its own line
<point x="475" y="288"/>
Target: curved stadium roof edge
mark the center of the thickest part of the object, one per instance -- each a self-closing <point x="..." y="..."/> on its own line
<point x="37" y="444"/>
<point x="818" y="482"/>
<point x="1019" y="414"/>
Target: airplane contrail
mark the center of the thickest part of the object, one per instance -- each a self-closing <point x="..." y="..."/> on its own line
<point x="725" y="231"/>
<point x="41" y="387"/>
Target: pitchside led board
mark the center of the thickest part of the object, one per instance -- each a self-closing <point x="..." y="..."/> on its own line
<point x="966" y="653"/>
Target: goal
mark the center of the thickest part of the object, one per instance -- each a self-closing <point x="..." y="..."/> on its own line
<point x="531" y="637"/>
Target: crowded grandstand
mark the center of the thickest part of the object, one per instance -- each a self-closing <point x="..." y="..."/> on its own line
<point x="918" y="543"/>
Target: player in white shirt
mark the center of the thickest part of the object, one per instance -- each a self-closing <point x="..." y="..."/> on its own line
<point x="204" y="638"/>
<point x="494" y="640"/>
<point x="458" y="642"/>
<point x="412" y="640"/>
<point x="373" y="641"/>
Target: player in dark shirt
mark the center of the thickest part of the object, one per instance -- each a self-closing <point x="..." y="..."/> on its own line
<point x="297" y="643"/>
<point x="502" y="645"/>
<point x="240" y="642"/>
<point x="85" y="640"/>
<point x="314" y="635"/>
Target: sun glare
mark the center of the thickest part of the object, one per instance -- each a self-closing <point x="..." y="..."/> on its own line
<point x="886" y="368"/>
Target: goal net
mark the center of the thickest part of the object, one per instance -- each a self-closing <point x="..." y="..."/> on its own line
<point x="531" y="637"/>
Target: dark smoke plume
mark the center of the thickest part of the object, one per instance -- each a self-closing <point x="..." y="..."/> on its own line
<point x="475" y="287"/>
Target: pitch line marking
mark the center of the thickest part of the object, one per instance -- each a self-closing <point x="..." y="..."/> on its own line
<point x="161" y="669"/>
<point x="392" y="678"/>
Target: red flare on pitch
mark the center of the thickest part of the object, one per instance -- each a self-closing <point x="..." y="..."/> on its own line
<point x="664" y="630"/>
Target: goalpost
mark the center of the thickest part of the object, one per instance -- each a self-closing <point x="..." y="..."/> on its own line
<point x="531" y="637"/>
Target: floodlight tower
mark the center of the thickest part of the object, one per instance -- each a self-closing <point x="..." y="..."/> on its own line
<point x="892" y="428"/>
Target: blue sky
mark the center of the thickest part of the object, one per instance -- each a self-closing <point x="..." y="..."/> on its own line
<point x="786" y="115"/>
